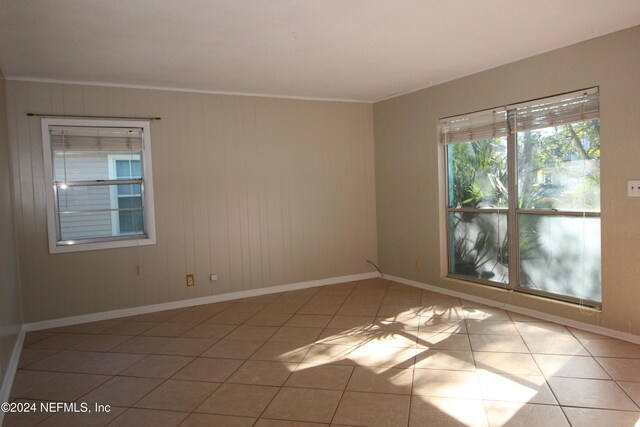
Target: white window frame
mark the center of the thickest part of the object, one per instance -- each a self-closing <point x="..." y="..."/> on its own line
<point x="56" y="246"/>
<point x="512" y="211"/>
<point x="115" y="219"/>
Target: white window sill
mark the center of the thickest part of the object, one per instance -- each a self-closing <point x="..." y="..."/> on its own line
<point x="81" y="247"/>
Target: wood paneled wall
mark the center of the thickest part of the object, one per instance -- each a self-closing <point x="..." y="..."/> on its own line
<point x="260" y="191"/>
<point x="10" y="313"/>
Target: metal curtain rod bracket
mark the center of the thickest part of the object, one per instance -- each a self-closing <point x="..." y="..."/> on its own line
<point x="92" y="117"/>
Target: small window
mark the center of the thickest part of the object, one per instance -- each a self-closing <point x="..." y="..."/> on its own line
<point x="100" y="185"/>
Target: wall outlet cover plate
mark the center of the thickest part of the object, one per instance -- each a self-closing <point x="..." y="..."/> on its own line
<point x="633" y="188"/>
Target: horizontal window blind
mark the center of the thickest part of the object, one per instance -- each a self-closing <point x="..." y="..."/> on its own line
<point x="474" y="127"/>
<point x="83" y="139"/>
<point x="538" y="114"/>
<point x="569" y="108"/>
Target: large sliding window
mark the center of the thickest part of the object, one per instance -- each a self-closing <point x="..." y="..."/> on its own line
<point x="523" y="197"/>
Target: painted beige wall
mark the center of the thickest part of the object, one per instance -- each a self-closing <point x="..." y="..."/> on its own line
<point x="408" y="178"/>
<point x="10" y="314"/>
<point x="260" y="191"/>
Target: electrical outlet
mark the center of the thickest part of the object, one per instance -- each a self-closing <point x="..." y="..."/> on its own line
<point x="633" y="188"/>
<point x="191" y="280"/>
<point x="213" y="277"/>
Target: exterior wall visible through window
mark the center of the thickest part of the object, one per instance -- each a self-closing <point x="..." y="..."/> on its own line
<point x="100" y="192"/>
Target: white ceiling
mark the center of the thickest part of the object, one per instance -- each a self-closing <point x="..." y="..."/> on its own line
<point x="363" y="50"/>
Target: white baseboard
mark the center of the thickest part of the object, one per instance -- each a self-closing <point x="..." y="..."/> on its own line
<point x="12" y="367"/>
<point x="520" y="310"/>
<point x="107" y="315"/>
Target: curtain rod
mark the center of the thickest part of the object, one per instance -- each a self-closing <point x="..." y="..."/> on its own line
<point x="92" y="117"/>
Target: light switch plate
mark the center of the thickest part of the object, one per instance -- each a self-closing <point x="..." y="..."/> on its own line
<point x="633" y="188"/>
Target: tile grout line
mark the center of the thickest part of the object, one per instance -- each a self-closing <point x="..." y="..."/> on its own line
<point x="546" y="380"/>
<point x="590" y="356"/>
<point x="244" y="360"/>
<point x="163" y="380"/>
<point x="616" y="381"/>
<point x="342" y="392"/>
<point x="414" y="356"/>
<point x="298" y="363"/>
<point x="217" y="341"/>
<point x="475" y="369"/>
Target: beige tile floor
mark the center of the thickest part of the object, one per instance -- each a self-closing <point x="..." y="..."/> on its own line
<point x="369" y="353"/>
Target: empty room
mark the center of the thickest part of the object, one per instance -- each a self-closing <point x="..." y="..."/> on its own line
<point x="305" y="213"/>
